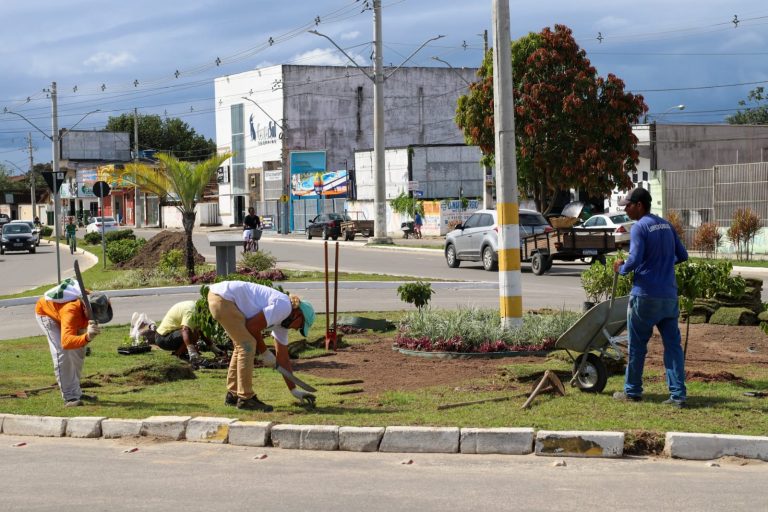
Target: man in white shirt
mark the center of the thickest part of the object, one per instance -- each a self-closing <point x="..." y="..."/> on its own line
<point x="244" y="310"/>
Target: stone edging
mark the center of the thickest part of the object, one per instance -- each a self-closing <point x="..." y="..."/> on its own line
<point x="507" y="441"/>
<point x="470" y="355"/>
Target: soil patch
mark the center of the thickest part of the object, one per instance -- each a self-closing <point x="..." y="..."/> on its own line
<point x="713" y="352"/>
<point x="640" y="442"/>
<point x="153" y="372"/>
<point x="713" y="377"/>
<point x="149" y="255"/>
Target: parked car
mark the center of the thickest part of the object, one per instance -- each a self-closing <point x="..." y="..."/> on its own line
<point x="477" y="238"/>
<point x="617" y="222"/>
<point x="4" y="219"/>
<point x="327" y="224"/>
<point x="110" y="224"/>
<point x="35" y="229"/>
<point x="17" y="236"/>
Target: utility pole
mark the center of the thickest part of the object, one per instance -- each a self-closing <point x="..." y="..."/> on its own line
<point x="31" y="177"/>
<point x="510" y="279"/>
<point x="138" y="206"/>
<point x="380" y="185"/>
<point x="56" y="139"/>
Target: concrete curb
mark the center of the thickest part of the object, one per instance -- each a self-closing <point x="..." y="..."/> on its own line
<point x="402" y="439"/>
<point x="682" y="445"/>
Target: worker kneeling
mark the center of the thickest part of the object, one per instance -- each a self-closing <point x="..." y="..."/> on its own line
<point x="244" y="310"/>
<point x="178" y="332"/>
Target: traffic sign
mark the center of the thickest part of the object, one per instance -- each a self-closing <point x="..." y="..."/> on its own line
<point x="101" y="189"/>
<point x="418" y="193"/>
<point x="284" y="198"/>
<point x="54" y="180"/>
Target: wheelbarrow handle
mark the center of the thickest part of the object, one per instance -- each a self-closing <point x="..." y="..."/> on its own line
<point x="613" y="289"/>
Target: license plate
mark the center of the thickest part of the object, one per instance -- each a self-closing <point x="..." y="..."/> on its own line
<point x="18" y="245"/>
<point x="590" y="252"/>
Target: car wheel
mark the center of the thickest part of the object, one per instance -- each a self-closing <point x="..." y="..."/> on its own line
<point x="488" y="263"/>
<point x="450" y="256"/>
<point x="351" y="237"/>
<point x="309" y="234"/>
<point x="2" y="251"/>
<point x="325" y="233"/>
<point x="32" y="251"/>
<point x="334" y="237"/>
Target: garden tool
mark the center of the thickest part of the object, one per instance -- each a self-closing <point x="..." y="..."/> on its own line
<point x="269" y="359"/>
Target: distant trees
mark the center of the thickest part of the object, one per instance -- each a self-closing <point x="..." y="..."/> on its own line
<point x="758" y="114"/>
<point x="573" y="128"/>
<point x="169" y="135"/>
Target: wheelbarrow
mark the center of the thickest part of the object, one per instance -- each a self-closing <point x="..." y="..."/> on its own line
<point x="596" y="336"/>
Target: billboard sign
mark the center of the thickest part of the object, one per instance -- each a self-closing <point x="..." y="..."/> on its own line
<point x="311" y="180"/>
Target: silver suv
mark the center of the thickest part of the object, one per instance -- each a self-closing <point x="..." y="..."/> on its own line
<point x="477" y="239"/>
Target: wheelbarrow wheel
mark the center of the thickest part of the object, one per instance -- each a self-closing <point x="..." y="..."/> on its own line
<point x="594" y="375"/>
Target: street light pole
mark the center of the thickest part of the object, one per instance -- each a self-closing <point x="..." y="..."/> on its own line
<point x="56" y="139"/>
<point x="32" y="178"/>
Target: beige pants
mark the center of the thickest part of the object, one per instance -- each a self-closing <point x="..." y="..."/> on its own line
<point x="240" y="373"/>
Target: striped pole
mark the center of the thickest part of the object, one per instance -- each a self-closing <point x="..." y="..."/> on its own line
<point x="510" y="279"/>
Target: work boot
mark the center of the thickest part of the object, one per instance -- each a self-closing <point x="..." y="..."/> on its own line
<point x="679" y="404"/>
<point x="230" y="398"/>
<point x="73" y="403"/>
<point x="253" y="404"/>
<point x="623" y="397"/>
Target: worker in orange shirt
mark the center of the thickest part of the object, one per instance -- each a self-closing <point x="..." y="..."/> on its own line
<point x="60" y="312"/>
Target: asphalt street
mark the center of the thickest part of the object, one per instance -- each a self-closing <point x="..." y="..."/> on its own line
<point x="53" y="474"/>
<point x="22" y="271"/>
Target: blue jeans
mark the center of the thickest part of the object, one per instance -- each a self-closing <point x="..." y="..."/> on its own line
<point x="643" y="313"/>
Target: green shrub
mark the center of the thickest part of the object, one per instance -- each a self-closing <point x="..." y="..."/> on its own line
<point x="92" y="238"/>
<point x="418" y="293"/>
<point x="171" y="261"/>
<point x="123" y="250"/>
<point x="46" y="231"/>
<point x="120" y="234"/>
<point x="257" y="261"/>
<point x="597" y="280"/>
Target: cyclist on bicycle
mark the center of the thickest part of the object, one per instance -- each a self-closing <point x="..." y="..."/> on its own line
<point x="250" y="222"/>
<point x="71" y="230"/>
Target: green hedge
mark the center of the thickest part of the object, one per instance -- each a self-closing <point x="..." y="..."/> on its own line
<point x="119" y="251"/>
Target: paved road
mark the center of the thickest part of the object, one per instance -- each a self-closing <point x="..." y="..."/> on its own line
<point x="22" y="271"/>
<point x="85" y="474"/>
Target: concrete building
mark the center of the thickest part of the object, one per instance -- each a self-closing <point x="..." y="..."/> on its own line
<point x="287" y="124"/>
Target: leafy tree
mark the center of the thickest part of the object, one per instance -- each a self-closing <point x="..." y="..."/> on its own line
<point x="757" y="114"/>
<point x="178" y="182"/>
<point x="573" y="128"/>
<point x="171" y="135"/>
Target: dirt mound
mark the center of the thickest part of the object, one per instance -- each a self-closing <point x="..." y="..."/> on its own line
<point x="721" y="376"/>
<point x="149" y="255"/>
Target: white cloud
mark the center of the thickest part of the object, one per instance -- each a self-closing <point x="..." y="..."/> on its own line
<point x="743" y="41"/>
<point x="348" y="36"/>
<point x="325" y="57"/>
<point x="611" y="23"/>
<point x="105" y="61"/>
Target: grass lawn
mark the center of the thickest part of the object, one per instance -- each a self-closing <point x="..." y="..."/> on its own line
<point x="125" y="390"/>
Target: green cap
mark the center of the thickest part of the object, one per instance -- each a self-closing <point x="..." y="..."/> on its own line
<point x="309" y="317"/>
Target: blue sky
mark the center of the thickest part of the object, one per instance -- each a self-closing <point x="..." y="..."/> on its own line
<point x="681" y="52"/>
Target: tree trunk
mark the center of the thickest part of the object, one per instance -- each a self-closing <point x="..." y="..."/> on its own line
<point x="188" y="220"/>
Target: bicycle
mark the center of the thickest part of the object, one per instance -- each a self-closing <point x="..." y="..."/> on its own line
<point x="252" y="244"/>
<point x="72" y="241"/>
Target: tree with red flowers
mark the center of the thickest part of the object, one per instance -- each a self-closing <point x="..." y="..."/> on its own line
<point x="573" y="128"/>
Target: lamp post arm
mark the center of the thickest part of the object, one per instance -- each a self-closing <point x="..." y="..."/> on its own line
<point x="363" y="71"/>
<point x="414" y="53"/>
<point x="265" y="112"/>
<point x="452" y="69"/>
<point x="67" y="130"/>
<point x="30" y="123"/>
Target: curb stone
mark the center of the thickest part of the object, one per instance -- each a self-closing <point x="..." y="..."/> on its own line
<point x="420" y="440"/>
<point x="505" y="441"/>
<point x="579" y="444"/>
<point x="205" y="429"/>
<point x="682" y="445"/>
<point x="360" y="439"/>
<point x="172" y="427"/>
<point x="84" y="426"/>
<point x="250" y="433"/>
<point x="306" y="437"/>
<point x="42" y="426"/>
<point x="113" y="428"/>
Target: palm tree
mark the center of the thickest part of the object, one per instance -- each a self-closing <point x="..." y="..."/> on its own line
<point x="181" y="183"/>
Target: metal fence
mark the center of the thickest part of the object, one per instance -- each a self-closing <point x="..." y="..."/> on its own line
<point x="713" y="195"/>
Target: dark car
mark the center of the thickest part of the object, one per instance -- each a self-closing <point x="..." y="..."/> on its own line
<point x="4" y="219"/>
<point x="326" y="224"/>
<point x="17" y="237"/>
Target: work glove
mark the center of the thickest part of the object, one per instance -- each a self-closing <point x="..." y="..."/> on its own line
<point x="304" y="397"/>
<point x="93" y="330"/>
<point x="194" y="355"/>
<point x="269" y="359"/>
